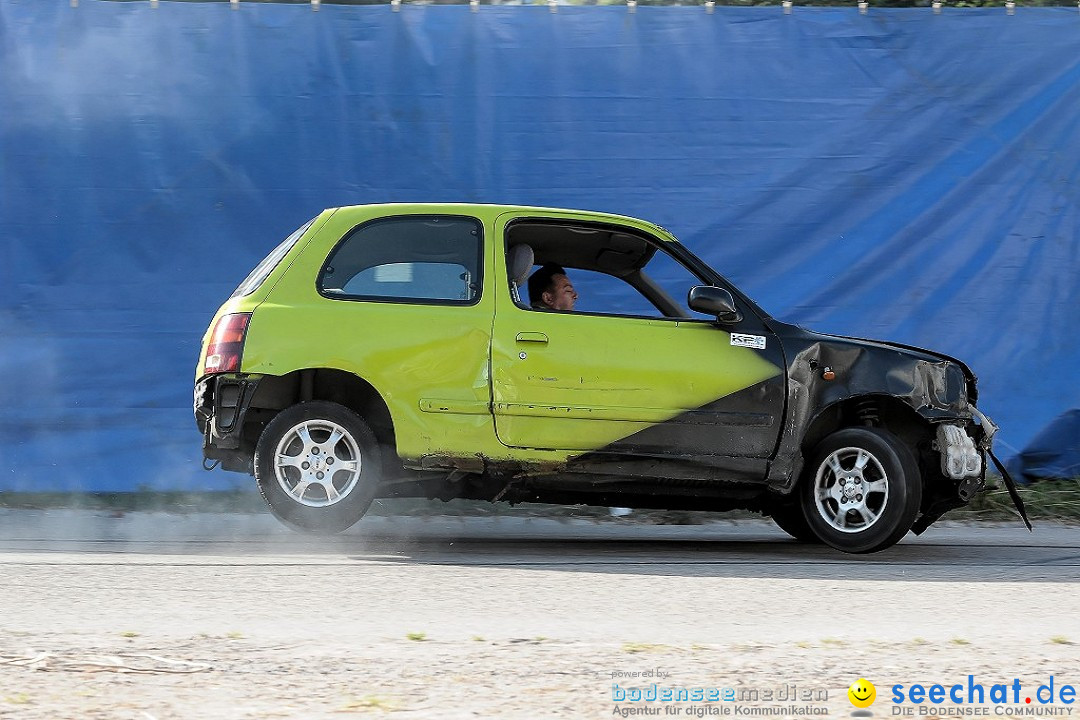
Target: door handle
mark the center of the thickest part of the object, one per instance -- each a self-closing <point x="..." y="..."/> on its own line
<point x="532" y="337"/>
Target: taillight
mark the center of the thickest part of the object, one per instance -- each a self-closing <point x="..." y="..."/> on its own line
<point x="226" y="345"/>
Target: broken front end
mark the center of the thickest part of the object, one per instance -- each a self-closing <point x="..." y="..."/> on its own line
<point x="924" y="398"/>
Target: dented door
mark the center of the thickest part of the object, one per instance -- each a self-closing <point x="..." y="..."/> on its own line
<point x="633" y="386"/>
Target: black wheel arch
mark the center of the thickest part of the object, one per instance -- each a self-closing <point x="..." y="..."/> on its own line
<point x="887" y="412"/>
<point x="880" y="410"/>
<point x="871" y="410"/>
<point x="277" y="392"/>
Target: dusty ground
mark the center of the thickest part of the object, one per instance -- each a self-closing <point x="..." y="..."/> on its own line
<point x="231" y="617"/>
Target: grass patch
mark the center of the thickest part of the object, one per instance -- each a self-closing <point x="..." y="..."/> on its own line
<point x="369" y="702"/>
<point x="960" y="641"/>
<point x="1056" y="500"/>
<point x="416" y="636"/>
<point x="637" y="648"/>
<point x="1061" y="640"/>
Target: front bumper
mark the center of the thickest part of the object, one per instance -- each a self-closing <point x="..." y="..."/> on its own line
<point x="962" y="449"/>
<point x="989" y="430"/>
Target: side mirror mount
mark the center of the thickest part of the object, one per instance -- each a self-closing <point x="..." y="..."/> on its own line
<point x="716" y="301"/>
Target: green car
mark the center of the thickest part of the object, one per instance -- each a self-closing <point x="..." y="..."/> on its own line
<point x="443" y="351"/>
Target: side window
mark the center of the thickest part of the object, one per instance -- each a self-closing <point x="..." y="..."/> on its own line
<point x="608" y="295"/>
<point x="658" y="290"/>
<point x="426" y="258"/>
<point x="674" y="279"/>
<point x="600" y="269"/>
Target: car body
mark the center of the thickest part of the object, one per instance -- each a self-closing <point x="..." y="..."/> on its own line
<point x="389" y="351"/>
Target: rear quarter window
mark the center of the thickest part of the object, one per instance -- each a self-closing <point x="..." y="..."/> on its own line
<point x="423" y="259"/>
<point x="262" y="271"/>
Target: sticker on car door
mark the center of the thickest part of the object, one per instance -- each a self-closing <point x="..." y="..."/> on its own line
<point x="756" y="342"/>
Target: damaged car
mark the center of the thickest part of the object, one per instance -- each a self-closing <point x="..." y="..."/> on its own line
<point x="397" y="351"/>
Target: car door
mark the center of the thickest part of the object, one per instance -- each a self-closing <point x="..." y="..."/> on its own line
<point x="611" y="386"/>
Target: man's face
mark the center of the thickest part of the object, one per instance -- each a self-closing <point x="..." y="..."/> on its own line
<point x="562" y="295"/>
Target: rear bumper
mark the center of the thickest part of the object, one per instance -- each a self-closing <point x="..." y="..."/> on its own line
<point x="221" y="402"/>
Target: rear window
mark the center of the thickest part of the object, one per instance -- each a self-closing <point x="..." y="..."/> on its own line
<point x="263" y="269"/>
<point x="431" y="259"/>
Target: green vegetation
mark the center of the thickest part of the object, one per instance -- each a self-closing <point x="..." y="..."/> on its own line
<point x="369" y="702"/>
<point x="636" y="648"/>
<point x="1056" y="500"/>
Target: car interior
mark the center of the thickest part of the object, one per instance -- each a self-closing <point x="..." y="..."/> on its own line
<point x="601" y="249"/>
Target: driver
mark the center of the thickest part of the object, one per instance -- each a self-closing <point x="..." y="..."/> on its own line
<point x="551" y="289"/>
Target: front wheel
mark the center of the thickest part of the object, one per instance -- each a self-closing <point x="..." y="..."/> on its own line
<point x="317" y="465"/>
<point x="790" y="518"/>
<point x="862" y="490"/>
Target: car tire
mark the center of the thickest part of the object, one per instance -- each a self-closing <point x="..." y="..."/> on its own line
<point x="790" y="518"/>
<point x="862" y="490"/>
<point x="317" y="465"/>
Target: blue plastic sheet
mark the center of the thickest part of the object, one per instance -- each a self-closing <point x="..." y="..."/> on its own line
<point x="901" y="175"/>
<point x="1053" y="454"/>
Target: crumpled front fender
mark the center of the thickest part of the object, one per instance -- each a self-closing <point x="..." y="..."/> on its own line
<point x="826" y="373"/>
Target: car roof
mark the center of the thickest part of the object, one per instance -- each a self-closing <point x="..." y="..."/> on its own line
<point x="608" y="250"/>
<point x="494" y="210"/>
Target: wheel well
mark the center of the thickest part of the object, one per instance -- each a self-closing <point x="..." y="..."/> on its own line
<point x="275" y="393"/>
<point x="883" y="411"/>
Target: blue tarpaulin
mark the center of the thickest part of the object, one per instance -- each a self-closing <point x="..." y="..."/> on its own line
<point x="901" y="174"/>
<point x="1053" y="454"/>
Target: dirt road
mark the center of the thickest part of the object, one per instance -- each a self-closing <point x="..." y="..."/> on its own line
<point x="230" y="616"/>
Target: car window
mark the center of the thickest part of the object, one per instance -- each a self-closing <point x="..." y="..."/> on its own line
<point x="608" y="295"/>
<point x="413" y="258"/>
<point x="660" y="291"/>
<point x="263" y="269"/>
<point x="431" y="281"/>
<point x="674" y="279"/>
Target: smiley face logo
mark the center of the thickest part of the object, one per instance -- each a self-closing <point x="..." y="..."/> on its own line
<point x="862" y="693"/>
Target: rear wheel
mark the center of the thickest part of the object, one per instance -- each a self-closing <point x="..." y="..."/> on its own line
<point x="317" y="465"/>
<point x="862" y="490"/>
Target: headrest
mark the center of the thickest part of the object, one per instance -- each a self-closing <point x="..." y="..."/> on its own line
<point x="519" y="262"/>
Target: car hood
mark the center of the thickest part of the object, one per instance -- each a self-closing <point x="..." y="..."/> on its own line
<point x="914" y="349"/>
<point x="798" y="340"/>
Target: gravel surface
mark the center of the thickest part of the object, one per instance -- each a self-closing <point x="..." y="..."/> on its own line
<point x="154" y="616"/>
